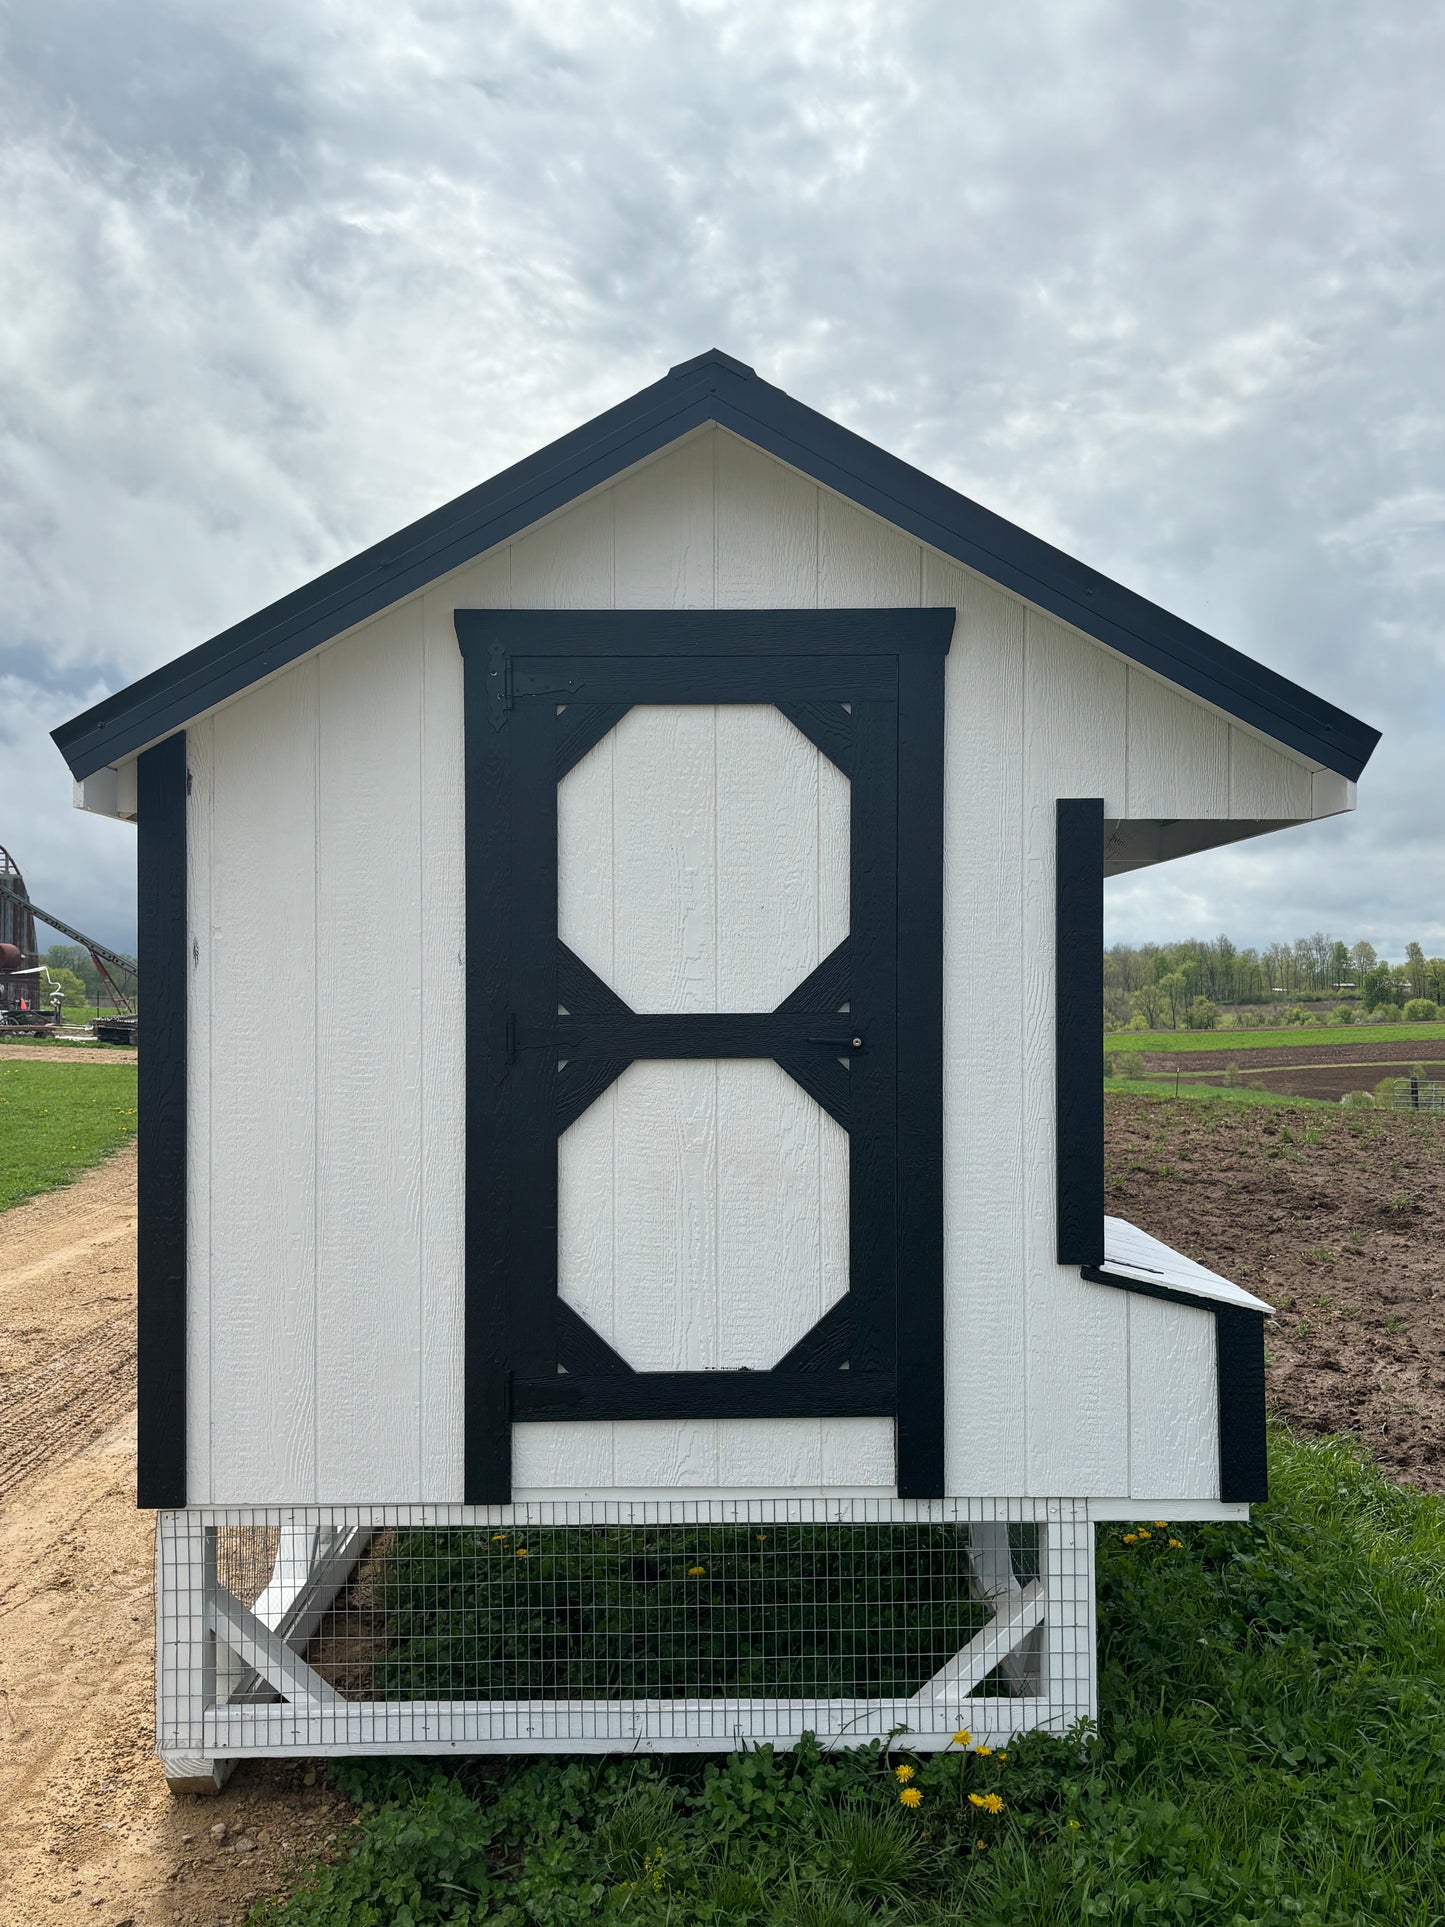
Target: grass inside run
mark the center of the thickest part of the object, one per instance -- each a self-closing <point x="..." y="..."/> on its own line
<point x="1270" y="1745"/>
<point x="768" y="1611"/>
<point x="56" y="1120"/>
<point x="1162" y="1087"/>
<point x="1288" y="1037"/>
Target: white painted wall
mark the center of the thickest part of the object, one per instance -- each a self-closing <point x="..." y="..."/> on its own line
<point x="326" y="1145"/>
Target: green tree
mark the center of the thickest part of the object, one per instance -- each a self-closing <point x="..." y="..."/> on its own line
<point x="1203" y="1015"/>
<point x="1376" y="988"/>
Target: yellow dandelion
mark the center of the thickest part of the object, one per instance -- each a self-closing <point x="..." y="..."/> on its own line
<point x="1161" y="1525"/>
<point x="1003" y="1756"/>
<point x="498" y="1535"/>
<point x="903" y="1773"/>
<point x="522" y="1553"/>
<point x="980" y="1846"/>
<point x="984" y="1752"/>
<point x="911" y="1797"/>
<point x="697" y="1572"/>
<point x="1131" y="1538"/>
<point x="992" y="1803"/>
<point x="1176" y="1545"/>
<point x="1145" y="1535"/>
<point x="961" y="1737"/>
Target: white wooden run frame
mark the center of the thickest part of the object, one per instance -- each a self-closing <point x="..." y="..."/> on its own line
<point x="233" y="1678"/>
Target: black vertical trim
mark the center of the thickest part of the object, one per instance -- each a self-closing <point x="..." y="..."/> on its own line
<point x="531" y="1313"/>
<point x="487" y="1446"/>
<point x="161" y="1081"/>
<point x="921" y="1374"/>
<point x="1239" y="1352"/>
<point x="873" y="1071"/>
<point x="1078" y="1017"/>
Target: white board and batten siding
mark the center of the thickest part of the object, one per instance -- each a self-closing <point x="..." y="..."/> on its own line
<point x="326" y="1048"/>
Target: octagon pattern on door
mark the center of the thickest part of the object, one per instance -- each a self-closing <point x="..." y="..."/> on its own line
<point x="694" y="1169"/>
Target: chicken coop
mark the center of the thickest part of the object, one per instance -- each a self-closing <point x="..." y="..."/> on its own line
<point x="686" y="1314"/>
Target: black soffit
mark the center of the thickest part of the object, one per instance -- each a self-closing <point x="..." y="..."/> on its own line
<point x="714" y="388"/>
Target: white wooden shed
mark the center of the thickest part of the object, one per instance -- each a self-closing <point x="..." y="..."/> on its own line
<point x="733" y="803"/>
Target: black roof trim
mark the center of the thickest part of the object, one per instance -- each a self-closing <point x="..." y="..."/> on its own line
<point x="714" y="388"/>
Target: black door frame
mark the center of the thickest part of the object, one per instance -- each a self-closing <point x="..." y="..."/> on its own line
<point x="867" y="687"/>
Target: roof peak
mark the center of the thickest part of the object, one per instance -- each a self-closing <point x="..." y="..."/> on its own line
<point x="714" y="358"/>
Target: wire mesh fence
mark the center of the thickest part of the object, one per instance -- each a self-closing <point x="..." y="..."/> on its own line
<point x="1416" y="1094"/>
<point x="619" y="1624"/>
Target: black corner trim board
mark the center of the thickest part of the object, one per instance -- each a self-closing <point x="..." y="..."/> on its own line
<point x="161" y="1103"/>
<point x="1239" y="1376"/>
<point x="1078" y="1000"/>
<point x="545" y="1034"/>
<point x="714" y="388"/>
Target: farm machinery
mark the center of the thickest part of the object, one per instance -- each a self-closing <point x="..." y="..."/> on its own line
<point x="26" y="999"/>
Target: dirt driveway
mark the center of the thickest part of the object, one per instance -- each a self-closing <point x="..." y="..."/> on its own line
<point x="88" y="1831"/>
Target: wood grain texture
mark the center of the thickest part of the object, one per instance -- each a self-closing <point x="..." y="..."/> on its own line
<point x="200" y="815"/>
<point x="983" y="1050"/>
<point x="664" y="529"/>
<point x="1173" y="1407"/>
<point x="1076" y="1348"/>
<point x="767" y="531"/>
<point x="1265" y="784"/>
<point x="1178" y="753"/>
<point x="369" y="1137"/>
<point x="862" y="561"/>
<point x="264" y="1070"/>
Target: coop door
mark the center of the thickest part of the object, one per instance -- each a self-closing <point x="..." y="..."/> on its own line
<point x="704" y="989"/>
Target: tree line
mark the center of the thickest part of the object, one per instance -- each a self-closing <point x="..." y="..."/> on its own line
<point x="1187" y="985"/>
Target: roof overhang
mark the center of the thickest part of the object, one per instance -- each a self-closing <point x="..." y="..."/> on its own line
<point x="714" y="388"/>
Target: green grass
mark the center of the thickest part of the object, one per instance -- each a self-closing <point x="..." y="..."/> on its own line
<point x="1163" y="1087"/>
<point x="674" y="1612"/>
<point x="1269" y="1754"/>
<point x="56" y="1120"/>
<point x="1288" y="1037"/>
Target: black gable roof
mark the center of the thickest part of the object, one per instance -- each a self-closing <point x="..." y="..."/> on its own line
<point x="714" y="388"/>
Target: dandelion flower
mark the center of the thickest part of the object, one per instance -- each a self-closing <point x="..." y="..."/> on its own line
<point x="697" y="1572"/>
<point x="1003" y="1756"/>
<point x="992" y="1803"/>
<point x="1176" y="1545"/>
<point x="911" y="1797"/>
<point x="498" y="1535"/>
<point x="961" y="1737"/>
<point x="984" y="1752"/>
<point x="903" y="1773"/>
<point x="1145" y="1535"/>
<point x="980" y="1846"/>
<point x="1131" y="1538"/>
<point x="522" y="1553"/>
<point x="1161" y="1525"/>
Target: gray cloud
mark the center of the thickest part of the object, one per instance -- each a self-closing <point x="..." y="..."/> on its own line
<point x="1163" y="284"/>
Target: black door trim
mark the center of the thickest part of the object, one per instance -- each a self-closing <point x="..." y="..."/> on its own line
<point x="540" y="689"/>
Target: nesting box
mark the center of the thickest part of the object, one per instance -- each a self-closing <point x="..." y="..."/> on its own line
<point x="621" y="1056"/>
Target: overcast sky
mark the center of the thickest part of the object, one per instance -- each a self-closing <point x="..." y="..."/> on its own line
<point x="1163" y="283"/>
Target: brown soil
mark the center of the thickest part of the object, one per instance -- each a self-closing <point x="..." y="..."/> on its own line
<point x="1250" y="1057"/>
<point x="1338" y="1220"/>
<point x="63" y="1053"/>
<point x="1328" y="1082"/>
<point x="88" y="1830"/>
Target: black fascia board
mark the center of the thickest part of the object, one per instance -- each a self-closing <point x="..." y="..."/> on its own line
<point x="716" y="388"/>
